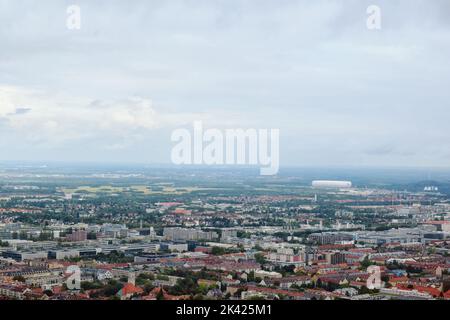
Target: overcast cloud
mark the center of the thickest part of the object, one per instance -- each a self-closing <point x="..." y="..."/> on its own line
<point x="339" y="93"/>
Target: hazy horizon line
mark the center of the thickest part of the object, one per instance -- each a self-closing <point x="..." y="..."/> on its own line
<point x="171" y="165"/>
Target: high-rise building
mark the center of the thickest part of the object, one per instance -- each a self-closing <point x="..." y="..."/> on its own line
<point x="78" y="235"/>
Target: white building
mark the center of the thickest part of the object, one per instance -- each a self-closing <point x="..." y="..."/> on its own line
<point x="331" y="184"/>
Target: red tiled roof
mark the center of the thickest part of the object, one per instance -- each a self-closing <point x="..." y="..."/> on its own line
<point x="154" y="293"/>
<point x="437" y="222"/>
<point x="447" y="295"/>
<point x="432" y="291"/>
<point x="398" y="279"/>
<point x="129" y="289"/>
<point x="275" y="291"/>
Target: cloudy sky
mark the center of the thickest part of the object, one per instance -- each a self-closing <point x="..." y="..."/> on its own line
<point x="114" y="90"/>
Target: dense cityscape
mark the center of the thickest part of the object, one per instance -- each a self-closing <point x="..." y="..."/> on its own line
<point x="224" y="159"/>
<point x="215" y="234"/>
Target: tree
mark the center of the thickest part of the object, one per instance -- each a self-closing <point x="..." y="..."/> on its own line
<point x="185" y="286"/>
<point x="112" y="288"/>
<point x="87" y="285"/>
<point x="385" y="278"/>
<point x="4" y="243"/>
<point x="48" y="293"/>
<point x="251" y="276"/>
<point x="92" y="236"/>
<point x="23" y="235"/>
<point x="364" y="290"/>
<point x="45" y="236"/>
<point x="160" y="294"/>
<point x="198" y="296"/>
<point x="148" y="288"/>
<point x="144" y="278"/>
<point x="319" y="283"/>
<point x="366" y="263"/>
<point x="243" y="234"/>
<point x="19" y="278"/>
<point x="218" y="251"/>
<point x="259" y="257"/>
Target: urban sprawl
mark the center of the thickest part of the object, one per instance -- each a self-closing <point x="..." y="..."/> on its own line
<point x="180" y="235"/>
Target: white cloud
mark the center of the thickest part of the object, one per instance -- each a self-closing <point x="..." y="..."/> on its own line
<point x="338" y="92"/>
<point x="53" y="120"/>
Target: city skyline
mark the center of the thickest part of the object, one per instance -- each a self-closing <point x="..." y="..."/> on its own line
<point x="224" y="158"/>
